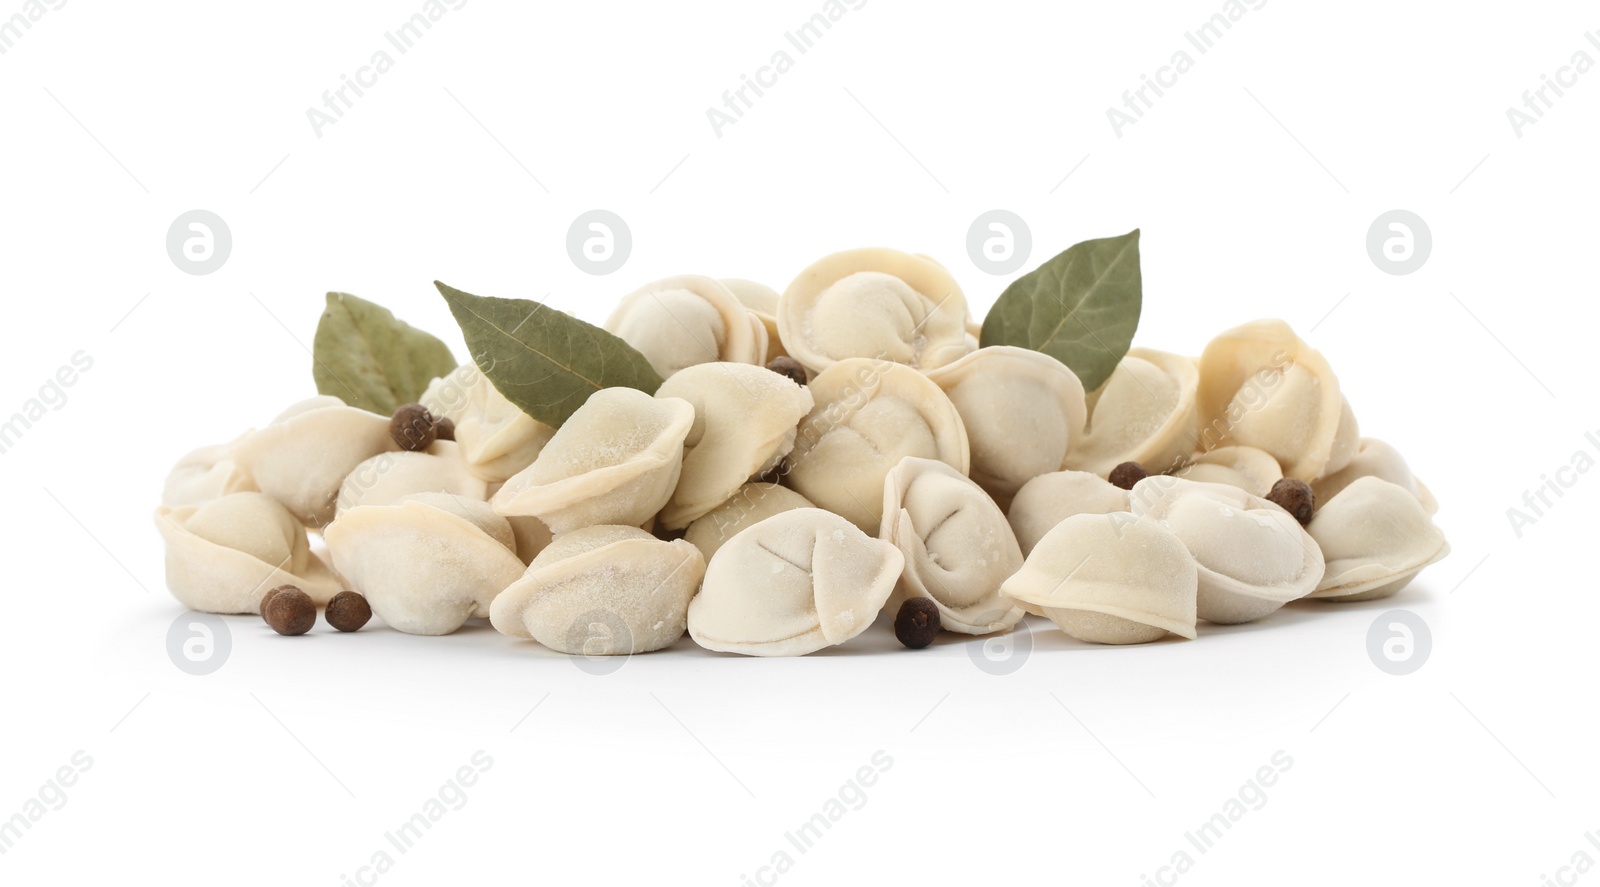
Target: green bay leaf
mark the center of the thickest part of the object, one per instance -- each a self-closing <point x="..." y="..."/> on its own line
<point x="1081" y="307"/>
<point x="543" y="360"/>
<point x="371" y="359"/>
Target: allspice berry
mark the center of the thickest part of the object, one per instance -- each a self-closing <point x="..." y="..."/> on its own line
<point x="348" y="611"/>
<point x="290" y="611"/>
<point x="1295" y="497"/>
<point x="262" y="609"/>
<point x="785" y="365"/>
<point x="413" y="427"/>
<point x="917" y="623"/>
<point x="1127" y="474"/>
<point x="444" y="428"/>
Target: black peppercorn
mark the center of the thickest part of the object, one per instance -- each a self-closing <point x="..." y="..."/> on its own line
<point x="1127" y="474"/>
<point x="1295" y="497"/>
<point x="262" y="608"/>
<point x="413" y="428"/>
<point x="290" y="611"/>
<point x="784" y="365"/>
<point x="348" y="611"/>
<point x="917" y="623"/>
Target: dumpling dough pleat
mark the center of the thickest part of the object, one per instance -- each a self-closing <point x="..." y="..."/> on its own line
<point x="869" y="415"/>
<point x="386" y="477"/>
<point x="750" y="505"/>
<point x="1249" y="469"/>
<point x="957" y="546"/>
<point x="762" y="303"/>
<point x="616" y="461"/>
<point x="1023" y="411"/>
<point x="223" y="555"/>
<point x="1253" y="557"/>
<point x="1144" y="413"/>
<point x="1376" y="537"/>
<point x="1262" y="386"/>
<point x="205" y="474"/>
<point x="686" y="320"/>
<point x="426" y="564"/>
<point x="793" y="584"/>
<point x="1111" y="579"/>
<point x="1051" y="498"/>
<point x="874" y="303"/>
<point x="744" y="422"/>
<point x="1374" y="458"/>
<point x="497" y="438"/>
<point x="303" y="457"/>
<point x="603" y="591"/>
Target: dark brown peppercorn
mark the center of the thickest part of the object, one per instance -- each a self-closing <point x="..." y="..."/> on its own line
<point x="412" y="427"/>
<point x="290" y="611"/>
<point x="348" y="611"/>
<point x="445" y="428"/>
<point x="917" y="623"/>
<point x="784" y="365"/>
<point x="1127" y="474"/>
<point x="262" y="609"/>
<point x="1295" y="497"/>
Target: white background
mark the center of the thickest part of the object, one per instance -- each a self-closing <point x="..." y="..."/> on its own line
<point x="1254" y="181"/>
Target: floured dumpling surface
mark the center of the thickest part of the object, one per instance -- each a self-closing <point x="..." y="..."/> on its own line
<point x="1376" y="537"/>
<point x="603" y="591"/>
<point x="428" y="563"/>
<point x="304" y="455"/>
<point x="1144" y="413"/>
<point x="616" y="460"/>
<point x="1249" y="469"/>
<point x="1253" y="557"/>
<point x="1374" y="458"/>
<point x="386" y="477"/>
<point x="870" y="414"/>
<point x="1051" y="498"/>
<point x="957" y="545"/>
<point x="681" y="321"/>
<point x="224" y="554"/>
<point x="751" y="504"/>
<point x="1111" y="579"/>
<point x="1262" y="386"/>
<point x="1022" y="410"/>
<point x="874" y="303"/>
<point x="744" y="423"/>
<point x="205" y="474"/>
<point x="496" y="437"/>
<point x="793" y="584"/>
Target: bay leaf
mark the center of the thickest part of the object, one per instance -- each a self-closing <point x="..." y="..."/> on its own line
<point x="1081" y="307"/>
<point x="543" y="360"/>
<point x="371" y="359"/>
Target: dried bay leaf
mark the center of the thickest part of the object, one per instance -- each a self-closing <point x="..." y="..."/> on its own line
<point x="543" y="360"/>
<point x="1081" y="307"/>
<point x="370" y="359"/>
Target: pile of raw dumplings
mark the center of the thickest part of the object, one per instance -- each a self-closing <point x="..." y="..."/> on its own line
<point x="771" y="517"/>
